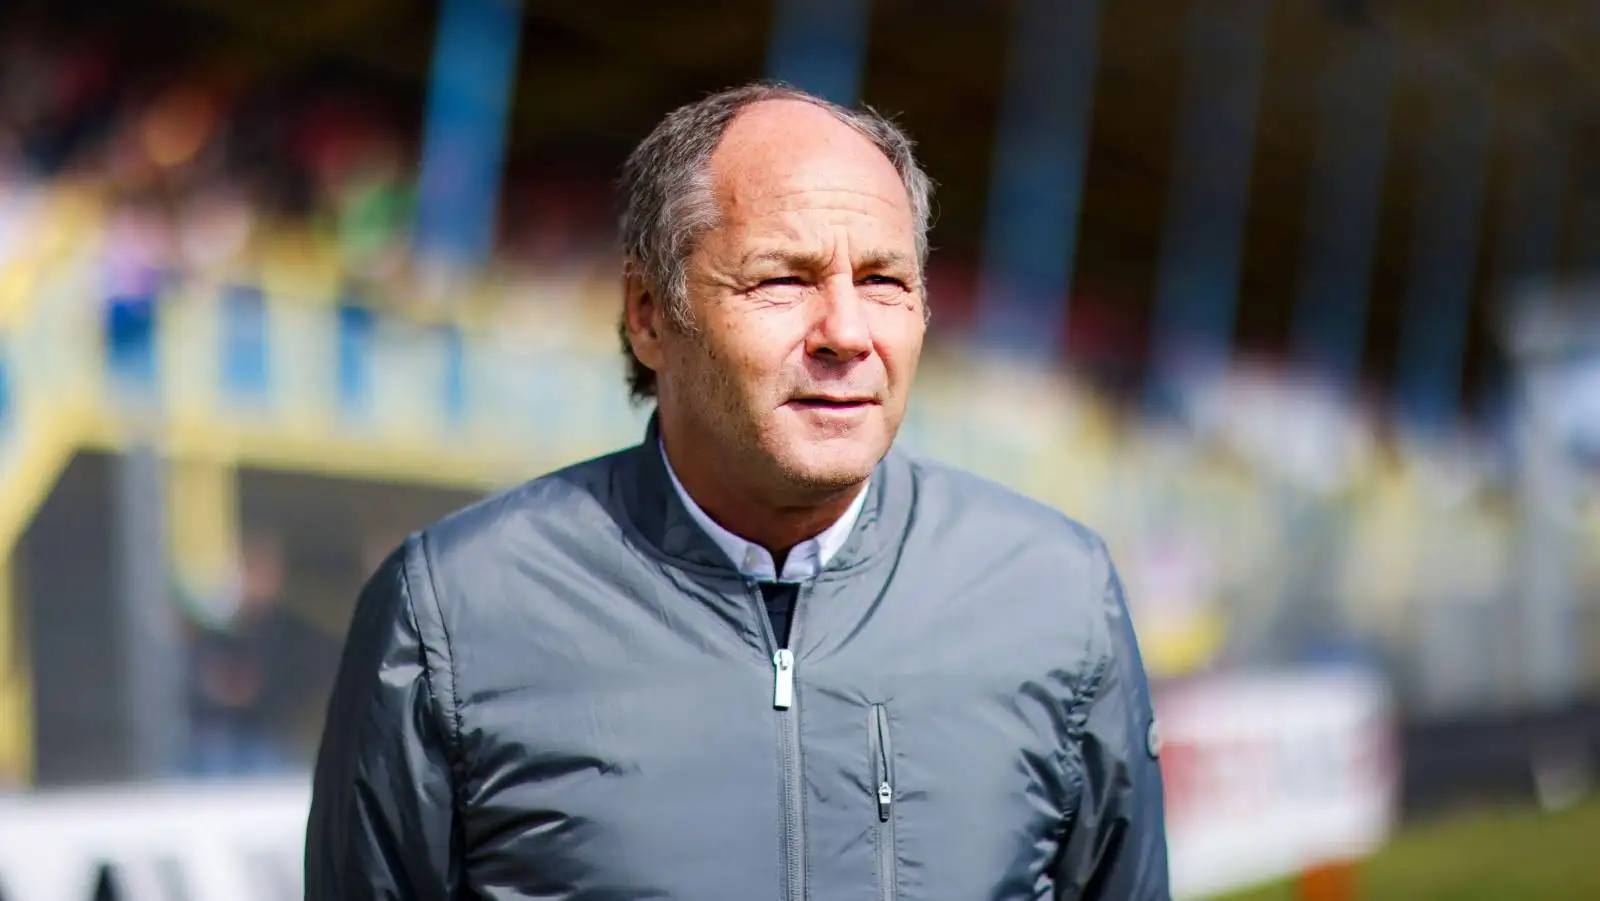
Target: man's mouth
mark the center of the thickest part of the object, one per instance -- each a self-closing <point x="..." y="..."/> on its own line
<point x="830" y="403"/>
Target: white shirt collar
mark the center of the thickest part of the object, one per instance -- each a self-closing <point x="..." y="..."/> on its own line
<point x="805" y="559"/>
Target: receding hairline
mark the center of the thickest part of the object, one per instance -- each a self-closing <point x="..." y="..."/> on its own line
<point x="880" y="134"/>
<point x="800" y="105"/>
<point x="765" y="161"/>
<point x="843" y="132"/>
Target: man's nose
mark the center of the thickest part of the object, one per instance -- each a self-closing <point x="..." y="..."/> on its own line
<point x="842" y="330"/>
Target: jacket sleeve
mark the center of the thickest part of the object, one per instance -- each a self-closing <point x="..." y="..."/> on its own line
<point x="1115" y="848"/>
<point x="382" y="823"/>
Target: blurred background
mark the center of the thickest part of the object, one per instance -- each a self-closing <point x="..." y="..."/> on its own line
<point x="1296" y="301"/>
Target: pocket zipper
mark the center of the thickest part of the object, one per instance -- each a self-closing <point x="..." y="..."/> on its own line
<point x="883" y="771"/>
<point x="883" y="789"/>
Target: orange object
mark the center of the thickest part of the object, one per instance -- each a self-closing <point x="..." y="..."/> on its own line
<point x="1334" y="881"/>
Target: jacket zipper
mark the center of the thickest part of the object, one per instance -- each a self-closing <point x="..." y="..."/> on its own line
<point x="784" y="701"/>
<point x="883" y="788"/>
<point x="783" y="679"/>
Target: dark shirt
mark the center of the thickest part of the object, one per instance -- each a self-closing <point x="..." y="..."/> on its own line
<point x="780" y="598"/>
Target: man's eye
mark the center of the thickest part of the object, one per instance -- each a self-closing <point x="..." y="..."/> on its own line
<point x="782" y="280"/>
<point x="883" y="280"/>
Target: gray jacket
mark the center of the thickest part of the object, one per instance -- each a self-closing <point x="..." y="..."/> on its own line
<point x="568" y="692"/>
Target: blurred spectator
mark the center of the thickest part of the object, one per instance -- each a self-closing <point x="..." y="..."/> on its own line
<point x="237" y="666"/>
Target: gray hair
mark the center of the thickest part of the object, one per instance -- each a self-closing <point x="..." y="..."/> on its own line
<point x="667" y="202"/>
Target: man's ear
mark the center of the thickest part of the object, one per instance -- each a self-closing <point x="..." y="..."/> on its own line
<point x="642" y="318"/>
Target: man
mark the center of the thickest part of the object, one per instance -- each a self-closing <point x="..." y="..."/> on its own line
<point x="761" y="655"/>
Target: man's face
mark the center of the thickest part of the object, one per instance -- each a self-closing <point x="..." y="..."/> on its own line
<point x="806" y="302"/>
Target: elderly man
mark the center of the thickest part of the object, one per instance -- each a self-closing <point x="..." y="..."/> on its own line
<point x="761" y="655"/>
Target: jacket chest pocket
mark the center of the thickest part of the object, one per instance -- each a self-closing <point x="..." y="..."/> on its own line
<point x="880" y="749"/>
<point x="972" y="794"/>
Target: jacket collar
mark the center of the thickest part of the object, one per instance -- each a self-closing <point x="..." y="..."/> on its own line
<point x="753" y="561"/>
<point x="665" y="523"/>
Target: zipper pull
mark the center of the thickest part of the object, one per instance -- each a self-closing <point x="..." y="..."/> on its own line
<point x="783" y="685"/>
<point x="885" y="798"/>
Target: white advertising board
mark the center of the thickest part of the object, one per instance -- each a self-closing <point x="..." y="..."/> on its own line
<point x="1269" y="774"/>
<point x="1266" y="774"/>
<point x="233" y="842"/>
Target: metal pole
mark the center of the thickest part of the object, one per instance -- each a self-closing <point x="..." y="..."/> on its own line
<point x="820" y="46"/>
<point x="469" y="104"/>
<point x="1036" y="186"/>
<point x="1444" y="252"/>
<point x="1330" y="319"/>
<point x="150" y="650"/>
<point x="1197" y="283"/>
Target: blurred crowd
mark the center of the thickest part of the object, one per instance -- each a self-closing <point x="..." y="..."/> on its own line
<point x="198" y="169"/>
<point x="194" y="169"/>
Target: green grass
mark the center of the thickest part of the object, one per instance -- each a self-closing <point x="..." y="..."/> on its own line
<point x="1482" y="855"/>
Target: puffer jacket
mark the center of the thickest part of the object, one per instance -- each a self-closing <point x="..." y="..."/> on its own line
<point x="568" y="692"/>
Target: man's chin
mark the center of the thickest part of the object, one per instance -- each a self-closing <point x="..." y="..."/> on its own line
<point x="829" y="469"/>
<point x="824" y="459"/>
